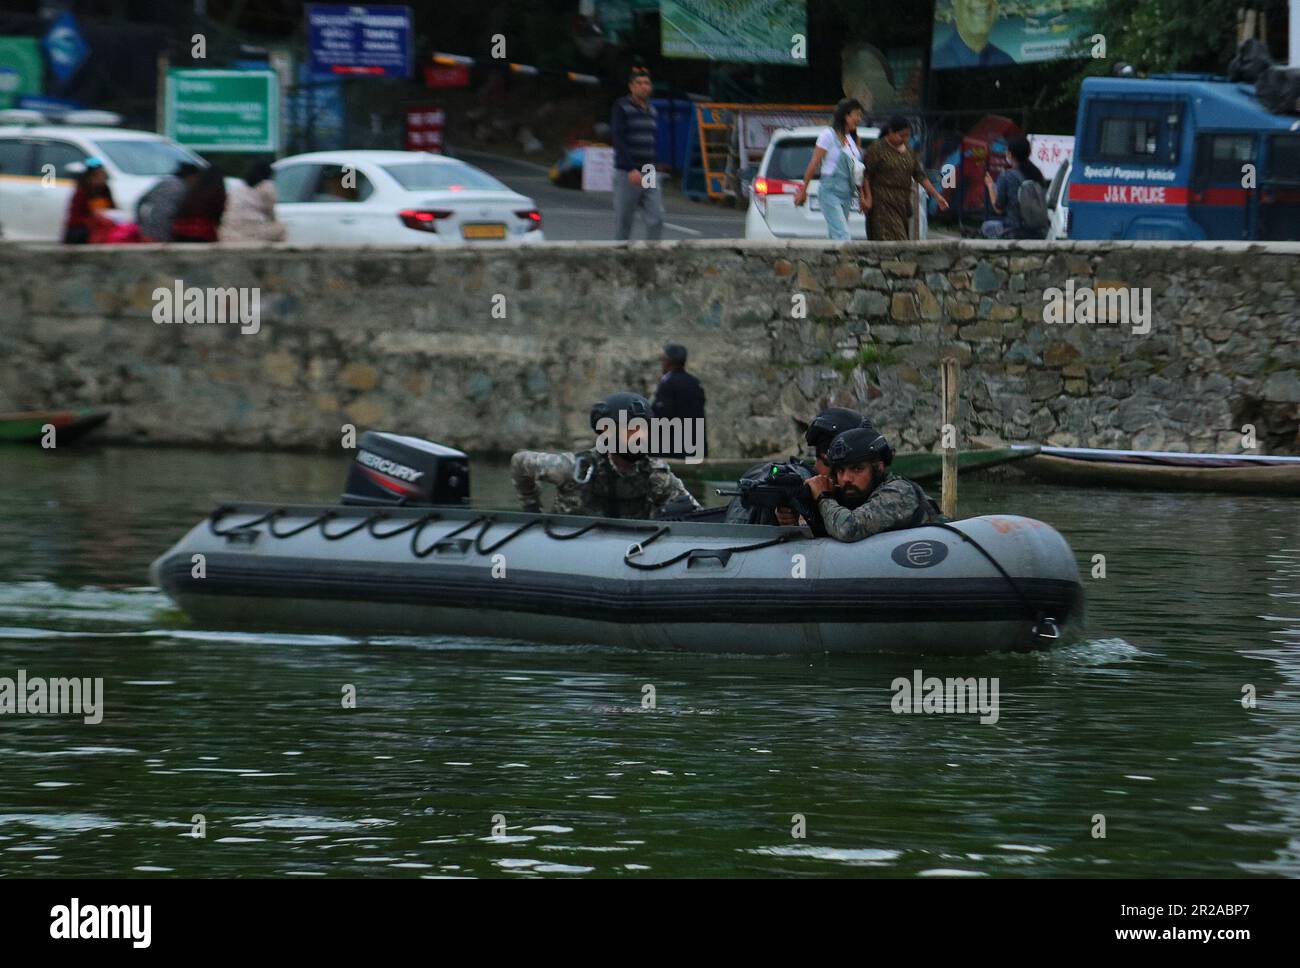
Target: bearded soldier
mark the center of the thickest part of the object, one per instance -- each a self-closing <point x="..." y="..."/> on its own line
<point x="861" y="497"/>
<point x="619" y="481"/>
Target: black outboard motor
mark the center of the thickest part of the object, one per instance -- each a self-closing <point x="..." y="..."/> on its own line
<point x="392" y="469"/>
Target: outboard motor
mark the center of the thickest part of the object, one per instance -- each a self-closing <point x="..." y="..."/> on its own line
<point x="392" y="469"/>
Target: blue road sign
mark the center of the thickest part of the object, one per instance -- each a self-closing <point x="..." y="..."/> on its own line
<point x="374" y="41"/>
<point x="66" y="49"/>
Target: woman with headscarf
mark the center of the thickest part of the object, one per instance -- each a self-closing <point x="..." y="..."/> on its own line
<point x="891" y="171"/>
<point x="86" y="221"/>
<point x="839" y="159"/>
<point x="250" y="209"/>
<point x="1004" y="195"/>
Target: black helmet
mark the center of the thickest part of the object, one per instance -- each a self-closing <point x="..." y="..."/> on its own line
<point x="633" y="404"/>
<point x="828" y="424"/>
<point x="857" y="445"/>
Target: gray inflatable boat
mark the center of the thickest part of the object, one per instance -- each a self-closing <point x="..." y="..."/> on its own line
<point x="983" y="584"/>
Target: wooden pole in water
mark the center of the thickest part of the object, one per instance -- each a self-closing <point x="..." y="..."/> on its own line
<point x="948" y="434"/>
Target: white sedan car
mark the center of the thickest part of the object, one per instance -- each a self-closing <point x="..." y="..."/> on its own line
<point x="397" y="198"/>
<point x="39" y="165"/>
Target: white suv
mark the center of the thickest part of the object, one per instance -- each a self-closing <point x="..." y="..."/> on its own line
<point x="772" y="213"/>
<point x="39" y="165"/>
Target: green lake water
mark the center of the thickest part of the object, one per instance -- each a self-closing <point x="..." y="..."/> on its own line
<point x="1142" y="721"/>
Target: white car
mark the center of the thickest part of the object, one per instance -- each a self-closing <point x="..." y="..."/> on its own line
<point x="772" y="213"/>
<point x="1058" y="204"/>
<point x="39" y="165"/>
<point x="397" y="198"/>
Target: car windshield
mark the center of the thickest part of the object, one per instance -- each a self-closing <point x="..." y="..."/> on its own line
<point x="143" y="157"/>
<point x="442" y="177"/>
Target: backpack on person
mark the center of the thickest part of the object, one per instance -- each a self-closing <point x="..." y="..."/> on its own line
<point x="1033" y="206"/>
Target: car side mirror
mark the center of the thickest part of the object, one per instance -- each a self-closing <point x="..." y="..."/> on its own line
<point x="75" y="168"/>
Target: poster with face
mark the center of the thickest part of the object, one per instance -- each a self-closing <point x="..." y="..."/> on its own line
<point x="998" y="33"/>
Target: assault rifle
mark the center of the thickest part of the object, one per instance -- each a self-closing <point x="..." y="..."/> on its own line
<point x="778" y="486"/>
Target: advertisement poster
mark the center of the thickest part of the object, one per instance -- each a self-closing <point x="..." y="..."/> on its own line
<point x="998" y="33"/>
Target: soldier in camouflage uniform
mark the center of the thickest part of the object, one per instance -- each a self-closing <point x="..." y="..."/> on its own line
<point x="602" y="484"/>
<point x="860" y="497"/>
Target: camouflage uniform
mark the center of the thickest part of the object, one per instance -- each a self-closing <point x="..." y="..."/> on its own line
<point x="896" y="503"/>
<point x="639" y="493"/>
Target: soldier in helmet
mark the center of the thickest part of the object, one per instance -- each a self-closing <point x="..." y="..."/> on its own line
<point x="823" y="429"/>
<point x="860" y="497"/>
<point x="616" y="479"/>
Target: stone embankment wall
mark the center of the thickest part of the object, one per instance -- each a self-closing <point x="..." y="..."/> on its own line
<point x="500" y="348"/>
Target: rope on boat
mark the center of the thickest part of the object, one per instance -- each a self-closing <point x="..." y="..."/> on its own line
<point x="1041" y="619"/>
<point x="484" y="521"/>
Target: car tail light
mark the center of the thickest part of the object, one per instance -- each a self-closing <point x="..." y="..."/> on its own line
<point x="763" y="187"/>
<point x="422" y="220"/>
<point x="534" y="218"/>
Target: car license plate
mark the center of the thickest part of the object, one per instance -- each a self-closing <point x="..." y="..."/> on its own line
<point x="495" y="231"/>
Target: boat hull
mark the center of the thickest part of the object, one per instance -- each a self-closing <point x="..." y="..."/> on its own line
<point x="1262" y="479"/>
<point x="518" y="577"/>
<point x="69" y="425"/>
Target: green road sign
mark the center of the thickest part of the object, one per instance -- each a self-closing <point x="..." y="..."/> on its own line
<point x="223" y="110"/>
<point x="20" y="68"/>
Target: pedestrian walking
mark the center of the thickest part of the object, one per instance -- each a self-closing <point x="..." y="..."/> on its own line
<point x="634" y="131"/>
<point x="837" y="157"/>
<point x="892" y="169"/>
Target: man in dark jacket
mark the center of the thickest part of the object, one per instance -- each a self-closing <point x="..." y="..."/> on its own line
<point x="679" y="393"/>
<point x="634" y="131"/>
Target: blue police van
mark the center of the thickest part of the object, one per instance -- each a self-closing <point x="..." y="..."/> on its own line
<point x="1182" y="156"/>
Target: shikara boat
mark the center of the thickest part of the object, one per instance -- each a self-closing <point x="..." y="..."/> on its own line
<point x="1163" y="470"/>
<point x="29" y="427"/>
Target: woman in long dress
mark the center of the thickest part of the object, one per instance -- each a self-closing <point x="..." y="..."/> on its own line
<point x="892" y="169"/>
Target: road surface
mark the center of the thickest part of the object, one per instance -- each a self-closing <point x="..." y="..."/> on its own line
<point x="572" y="215"/>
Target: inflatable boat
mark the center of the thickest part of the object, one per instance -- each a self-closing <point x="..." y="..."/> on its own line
<point x="370" y="567"/>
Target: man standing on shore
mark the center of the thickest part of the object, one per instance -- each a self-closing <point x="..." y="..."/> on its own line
<point x="633" y="125"/>
<point x="679" y="393"/>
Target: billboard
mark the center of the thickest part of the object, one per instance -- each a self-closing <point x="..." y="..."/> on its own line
<point x="998" y="33"/>
<point x="745" y="31"/>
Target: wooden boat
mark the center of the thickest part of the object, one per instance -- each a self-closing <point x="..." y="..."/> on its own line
<point x="1162" y="470"/>
<point x="916" y="467"/>
<point x="28" y="427"/>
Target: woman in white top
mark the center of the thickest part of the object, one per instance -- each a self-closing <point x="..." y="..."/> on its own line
<point x="838" y="156"/>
